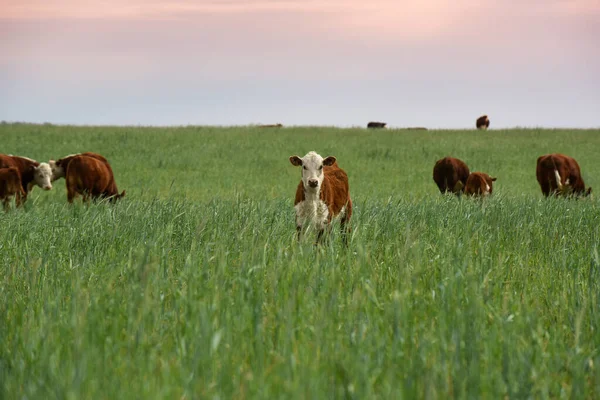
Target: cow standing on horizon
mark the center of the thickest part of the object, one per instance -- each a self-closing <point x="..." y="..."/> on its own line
<point x="483" y="122"/>
<point x="322" y="194"/>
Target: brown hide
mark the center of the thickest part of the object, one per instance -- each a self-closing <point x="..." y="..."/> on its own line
<point x="25" y="167"/>
<point x="376" y="125"/>
<point x="10" y="185"/>
<point x="63" y="162"/>
<point x="571" y="182"/>
<point x="90" y="177"/>
<point x="482" y="122"/>
<point x="450" y="174"/>
<point x="335" y="191"/>
<point x="477" y="184"/>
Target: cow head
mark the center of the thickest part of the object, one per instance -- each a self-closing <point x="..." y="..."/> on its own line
<point x="58" y="170"/>
<point x="42" y="176"/>
<point x="312" y="169"/>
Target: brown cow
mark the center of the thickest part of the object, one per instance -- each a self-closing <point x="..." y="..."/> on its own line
<point x="450" y="175"/>
<point x="271" y="126"/>
<point x="90" y="177"/>
<point x="31" y="172"/>
<point x="10" y="185"/>
<point x="376" y="125"/>
<point x="322" y="194"/>
<point x="59" y="166"/>
<point x="558" y="174"/>
<point x="479" y="184"/>
<point x="482" y="122"/>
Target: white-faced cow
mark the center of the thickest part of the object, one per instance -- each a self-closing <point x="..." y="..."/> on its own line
<point x="479" y="184"/>
<point x="59" y="166"/>
<point x="322" y="194"/>
<point x="88" y="175"/>
<point x="450" y="175"/>
<point x="32" y="172"/>
<point x="10" y="185"/>
<point x="482" y="122"/>
<point x="560" y="175"/>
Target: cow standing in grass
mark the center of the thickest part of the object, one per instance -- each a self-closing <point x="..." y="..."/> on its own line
<point x="560" y="175"/>
<point x="10" y="185"/>
<point x="483" y="122"/>
<point x="88" y="175"/>
<point x="322" y="194"/>
<point x="479" y="184"/>
<point x="32" y="173"/>
<point x="450" y="175"/>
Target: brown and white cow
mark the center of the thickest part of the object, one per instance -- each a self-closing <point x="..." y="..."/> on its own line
<point x="322" y="194"/>
<point x="58" y="167"/>
<point x="10" y="185"/>
<point x="450" y="174"/>
<point x="376" y="124"/>
<point x="479" y="184"/>
<point x="482" y="122"/>
<point x="559" y="174"/>
<point x="89" y="177"/>
<point x="32" y="172"/>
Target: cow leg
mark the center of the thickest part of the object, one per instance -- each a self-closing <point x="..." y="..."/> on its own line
<point x="6" y="202"/>
<point x="299" y="230"/>
<point x="18" y="199"/>
<point x="319" y="236"/>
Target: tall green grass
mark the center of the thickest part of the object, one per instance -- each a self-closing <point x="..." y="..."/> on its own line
<point x="194" y="285"/>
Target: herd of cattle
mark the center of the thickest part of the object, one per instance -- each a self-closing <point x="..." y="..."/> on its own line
<point x="86" y="174"/>
<point x="323" y="192"/>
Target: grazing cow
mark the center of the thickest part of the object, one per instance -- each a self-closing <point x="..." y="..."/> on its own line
<point x="558" y="174"/>
<point x="10" y="185"/>
<point x="450" y="175"/>
<point x="376" y="125"/>
<point x="31" y="172"/>
<point x="482" y="122"/>
<point x="322" y="194"/>
<point x="271" y="126"/>
<point x="59" y="166"/>
<point x="479" y="184"/>
<point x="89" y="177"/>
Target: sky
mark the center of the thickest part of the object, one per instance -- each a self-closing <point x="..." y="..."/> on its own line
<point x="432" y="63"/>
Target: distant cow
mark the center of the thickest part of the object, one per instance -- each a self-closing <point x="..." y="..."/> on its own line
<point x="558" y="174"/>
<point x="479" y="184"/>
<point x="450" y="175"/>
<point x="271" y="126"/>
<point x="482" y="122"/>
<point x="58" y="167"/>
<point x="376" y="125"/>
<point x="10" y="185"/>
<point x="32" y="172"/>
<point x="89" y="177"/>
<point x="322" y="194"/>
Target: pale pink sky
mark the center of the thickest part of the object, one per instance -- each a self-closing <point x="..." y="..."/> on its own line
<point x="332" y="62"/>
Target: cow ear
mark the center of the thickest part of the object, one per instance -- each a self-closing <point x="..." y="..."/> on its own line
<point x="329" y="160"/>
<point x="296" y="161"/>
<point x="494" y="179"/>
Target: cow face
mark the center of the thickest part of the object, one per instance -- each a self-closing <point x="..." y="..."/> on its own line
<point x="312" y="169"/>
<point x="57" y="170"/>
<point x="42" y="176"/>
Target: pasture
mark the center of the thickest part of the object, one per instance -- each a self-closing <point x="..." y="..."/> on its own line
<point x="193" y="286"/>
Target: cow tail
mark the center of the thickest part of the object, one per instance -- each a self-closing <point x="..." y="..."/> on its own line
<point x="557" y="175"/>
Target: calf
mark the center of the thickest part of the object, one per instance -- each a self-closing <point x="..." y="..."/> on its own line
<point x="10" y="185"/>
<point x="376" y="125"/>
<point x="479" y="184"/>
<point x="482" y="122"/>
<point x="558" y="174"/>
<point x="450" y="175"/>
<point x="32" y="172"/>
<point x="90" y="177"/>
<point x="59" y="166"/>
<point x="322" y="194"/>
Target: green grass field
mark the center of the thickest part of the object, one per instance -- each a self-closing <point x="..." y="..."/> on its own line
<point x="194" y="285"/>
